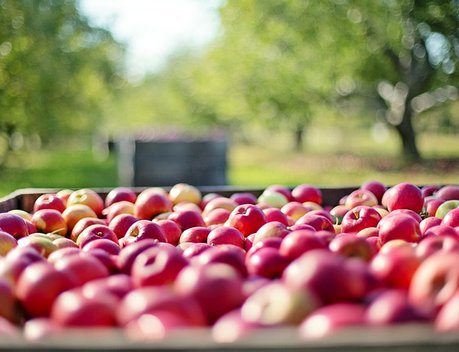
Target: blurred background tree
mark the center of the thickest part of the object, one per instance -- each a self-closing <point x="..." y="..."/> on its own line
<point x="57" y="73"/>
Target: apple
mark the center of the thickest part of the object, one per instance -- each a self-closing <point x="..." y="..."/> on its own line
<point x="39" y="285"/>
<point x="441" y="230"/>
<point x="318" y="222"/>
<point x="42" y="243"/>
<point x="427" y="223"/>
<point x="17" y="260"/>
<point x="120" y="194"/>
<point x="41" y="329"/>
<point x="105" y="244"/>
<point x="63" y="252"/>
<point x="307" y="193"/>
<point x="271" y="229"/>
<point x="451" y="218"/>
<point x="87" y="197"/>
<point x="217" y="216"/>
<point x="349" y="245"/>
<point x="326" y="275"/>
<point x="226" y="235"/>
<point x="395" y="266"/>
<point x="73" y="213"/>
<point x="429" y="190"/>
<point x="49" y="221"/>
<point x="82" y="224"/>
<point x="272" y="199"/>
<point x="433" y="244"/>
<point x="368" y="232"/>
<point x="220" y="202"/>
<point x="435" y="281"/>
<point x="121" y="207"/>
<point x="8" y="299"/>
<point x="157" y="265"/>
<point x="171" y="230"/>
<point x="196" y="234"/>
<point x="392" y="306"/>
<point x="73" y="309"/>
<point x="338" y="213"/>
<point x="187" y="206"/>
<point x="186" y="219"/>
<point x="295" y="210"/>
<point x="284" y="190"/>
<point x="401" y="226"/>
<point x="81" y="268"/>
<point x="275" y="304"/>
<point x="64" y="195"/>
<point x="329" y="319"/>
<point x="231" y="327"/>
<point x="444" y="208"/>
<point x="49" y="201"/>
<point x="275" y="214"/>
<point x="96" y="232"/>
<point x="404" y="196"/>
<point x="360" y="197"/>
<point x="7" y="243"/>
<point x="226" y="254"/>
<point x="151" y="202"/>
<point x="117" y="285"/>
<point x="299" y="242"/>
<point x="13" y="224"/>
<point x="447" y="319"/>
<point x="204" y="283"/>
<point x="431" y="205"/>
<point x="22" y="213"/>
<point x="128" y="254"/>
<point x="375" y="187"/>
<point x="246" y="218"/>
<point x="121" y="223"/>
<point x="182" y="192"/>
<point x="141" y="230"/>
<point x="244" y="198"/>
<point x="266" y="262"/>
<point x="195" y="249"/>
<point x="206" y="198"/>
<point x="359" y="218"/>
<point x="448" y="192"/>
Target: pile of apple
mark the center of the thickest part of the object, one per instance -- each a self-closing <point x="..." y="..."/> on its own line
<point x="161" y="261"/>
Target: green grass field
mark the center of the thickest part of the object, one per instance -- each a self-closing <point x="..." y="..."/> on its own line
<point x="325" y="161"/>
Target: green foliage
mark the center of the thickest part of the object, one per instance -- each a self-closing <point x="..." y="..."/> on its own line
<point x="56" y="71"/>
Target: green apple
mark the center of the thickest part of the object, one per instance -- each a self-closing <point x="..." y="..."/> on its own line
<point x="272" y="198"/>
<point x="445" y="207"/>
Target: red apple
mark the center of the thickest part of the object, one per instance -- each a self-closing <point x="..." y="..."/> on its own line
<point x="375" y="187"/>
<point x="141" y="230"/>
<point x="329" y="319"/>
<point x="196" y="234"/>
<point x="171" y="230"/>
<point x="442" y="230"/>
<point x="186" y="219"/>
<point x="359" y="218"/>
<point x="226" y="254"/>
<point x="8" y="299"/>
<point x="307" y="193"/>
<point x="269" y="230"/>
<point x="81" y="268"/>
<point x="118" y="285"/>
<point x="318" y="222"/>
<point x="119" y="194"/>
<point x="121" y="207"/>
<point x="338" y="213"/>
<point x="204" y="283"/>
<point x="432" y="244"/>
<point x="83" y="224"/>
<point x="226" y="235"/>
<point x="275" y="214"/>
<point x="64" y="195"/>
<point x="427" y="223"/>
<point x="448" y="192"/>
<point x="243" y="198"/>
<point x="452" y="218"/>
<point x="13" y="224"/>
<point x="38" y="287"/>
<point x="360" y="197"/>
<point x="447" y="319"/>
<point x="295" y="210"/>
<point x="49" y="221"/>
<point x="73" y="309"/>
<point x="404" y="196"/>
<point x="349" y="245"/>
<point x="105" y="244"/>
<point x="401" y="226"/>
<point x="17" y="260"/>
<point x="195" y="249"/>
<point x="298" y="242"/>
<point x="158" y="265"/>
<point x="431" y="205"/>
<point x="49" y="201"/>
<point x="429" y="190"/>
<point x="150" y="203"/>
<point x="42" y="243"/>
<point x="266" y="262"/>
<point x="96" y="232"/>
<point x="128" y="254"/>
<point x="219" y="202"/>
<point x="87" y="197"/>
<point x="121" y="223"/>
<point x="217" y="216"/>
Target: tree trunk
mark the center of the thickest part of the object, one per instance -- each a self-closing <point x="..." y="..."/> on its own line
<point x="298" y="137"/>
<point x="410" y="151"/>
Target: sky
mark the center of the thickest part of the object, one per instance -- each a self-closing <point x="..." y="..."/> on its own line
<point x="154" y="29"/>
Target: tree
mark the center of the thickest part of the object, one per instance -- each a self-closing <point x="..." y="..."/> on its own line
<point x="56" y="70"/>
<point x="305" y="53"/>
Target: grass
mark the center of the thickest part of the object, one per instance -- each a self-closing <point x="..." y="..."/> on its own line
<point x="330" y="158"/>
